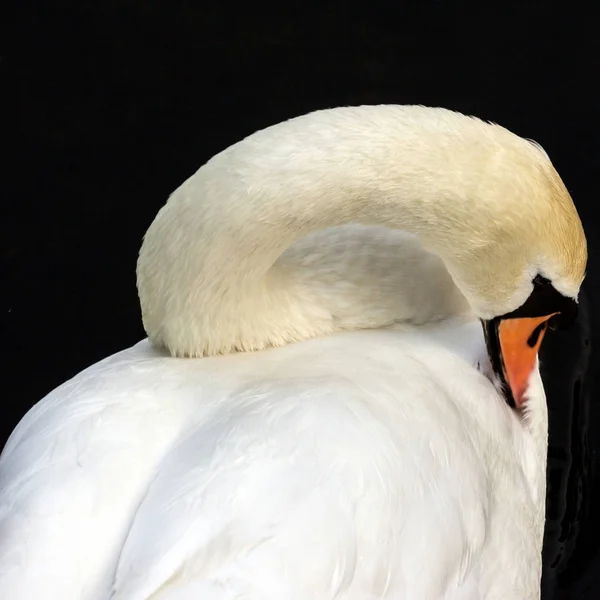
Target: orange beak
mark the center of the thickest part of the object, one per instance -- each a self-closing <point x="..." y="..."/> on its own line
<point x="520" y="340"/>
<point x="513" y="344"/>
<point x="513" y="339"/>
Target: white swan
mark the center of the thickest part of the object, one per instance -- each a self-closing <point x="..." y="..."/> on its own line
<point x="372" y="461"/>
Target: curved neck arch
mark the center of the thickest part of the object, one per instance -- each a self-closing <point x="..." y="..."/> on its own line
<point x="213" y="272"/>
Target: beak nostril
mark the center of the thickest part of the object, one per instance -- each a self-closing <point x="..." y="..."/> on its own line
<point x="535" y="334"/>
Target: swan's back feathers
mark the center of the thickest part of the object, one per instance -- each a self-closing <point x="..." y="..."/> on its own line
<point x="348" y="492"/>
<point x="324" y="528"/>
<point x="379" y="466"/>
<point x="75" y="468"/>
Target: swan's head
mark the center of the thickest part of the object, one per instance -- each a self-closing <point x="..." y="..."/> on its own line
<point x="514" y="339"/>
<point x="525" y="266"/>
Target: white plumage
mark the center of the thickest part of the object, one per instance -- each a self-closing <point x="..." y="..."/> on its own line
<point x="354" y="466"/>
<point x="362" y="463"/>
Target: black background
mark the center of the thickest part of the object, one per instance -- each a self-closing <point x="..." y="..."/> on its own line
<point x="108" y="106"/>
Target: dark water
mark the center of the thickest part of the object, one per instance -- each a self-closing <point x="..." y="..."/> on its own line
<point x="109" y="106"/>
<point x="571" y="544"/>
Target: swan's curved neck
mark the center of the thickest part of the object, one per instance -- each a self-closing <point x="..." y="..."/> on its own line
<point x="214" y="274"/>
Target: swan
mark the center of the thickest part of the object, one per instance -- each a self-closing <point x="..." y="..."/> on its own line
<point x="339" y="394"/>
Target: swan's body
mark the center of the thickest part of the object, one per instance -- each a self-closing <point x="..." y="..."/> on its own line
<point x="323" y="472"/>
<point x="357" y="465"/>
